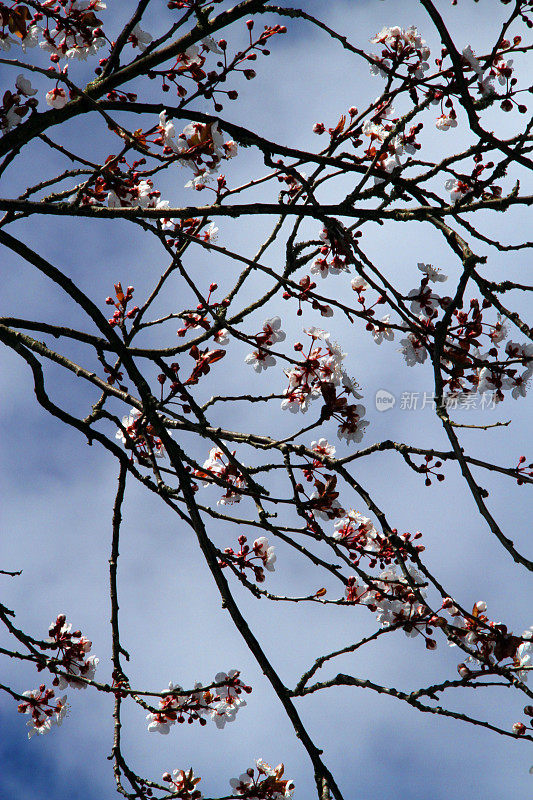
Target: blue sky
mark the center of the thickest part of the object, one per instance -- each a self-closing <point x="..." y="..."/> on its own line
<point x="59" y="493"/>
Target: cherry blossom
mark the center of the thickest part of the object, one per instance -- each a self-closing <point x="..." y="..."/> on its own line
<point x="265" y="551"/>
<point x="211" y="233"/>
<point x="359" y="284"/>
<point x="457" y="189"/>
<point x="382" y="330"/>
<point x="210" y="44"/>
<point x="228" y="699"/>
<point x="269" y="783"/>
<point x="45" y="711"/>
<point x="183" y="784"/>
<point x="227" y="473"/>
<point x="355" y="529"/>
<point x="524" y="655"/>
<point x="397" y="38"/>
<point x="24" y="86"/>
<point x="325" y="507"/>
<point x="444" y="123"/>
<point x="257" y="558"/>
<point x="353" y="427"/>
<point x="499" y="332"/>
<point x="323" y="447"/>
<point x="200" y="146"/>
<point x="261" y="358"/>
<point x="140" y="437"/>
<point x="231" y="149"/>
<point x="72" y="649"/>
<point x="472" y="60"/>
<point x="140" y="38"/>
<point x="56" y="98"/>
<point x="423" y="301"/>
<point x="521" y="384"/>
<point x="413" y="350"/>
<point x="395" y="601"/>
<point x="433" y="273"/>
<point x="220" y="704"/>
<point x="272" y="330"/>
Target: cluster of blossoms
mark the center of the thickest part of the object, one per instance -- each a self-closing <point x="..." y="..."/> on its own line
<point x="323" y="365"/>
<point x="405" y="47"/>
<point x="268" y="784"/>
<point x="319" y="375"/>
<point x="16" y="105"/>
<point x="183" y="784"/>
<point x="139" y="436"/>
<point x="45" y="711"/>
<point x="358" y="534"/>
<point x="397" y="600"/>
<point x="384" y="147"/>
<point x="497" y="379"/>
<point x="225" y="472"/>
<point x="491" y="642"/>
<point x="323" y="502"/>
<point x="124" y="188"/>
<point x="201" y="147"/>
<point x="66" y="30"/>
<point x="220" y="703"/>
<point x="261" y="551"/>
<point x="271" y="333"/>
<point x="315" y="466"/>
<point x="142" y="194"/>
<point x="338" y="249"/>
<point x="191" y="227"/>
<point x="474" y="185"/>
<point x="500" y="69"/>
<point x="401" y="46"/>
<point x="71" y="650"/>
<point x="467" y="368"/>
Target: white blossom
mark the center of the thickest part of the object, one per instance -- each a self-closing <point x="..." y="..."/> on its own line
<point x="24" y="86"/>
<point x="56" y="98"/>
<point x="433" y="273"/>
<point x="413" y="350"/>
